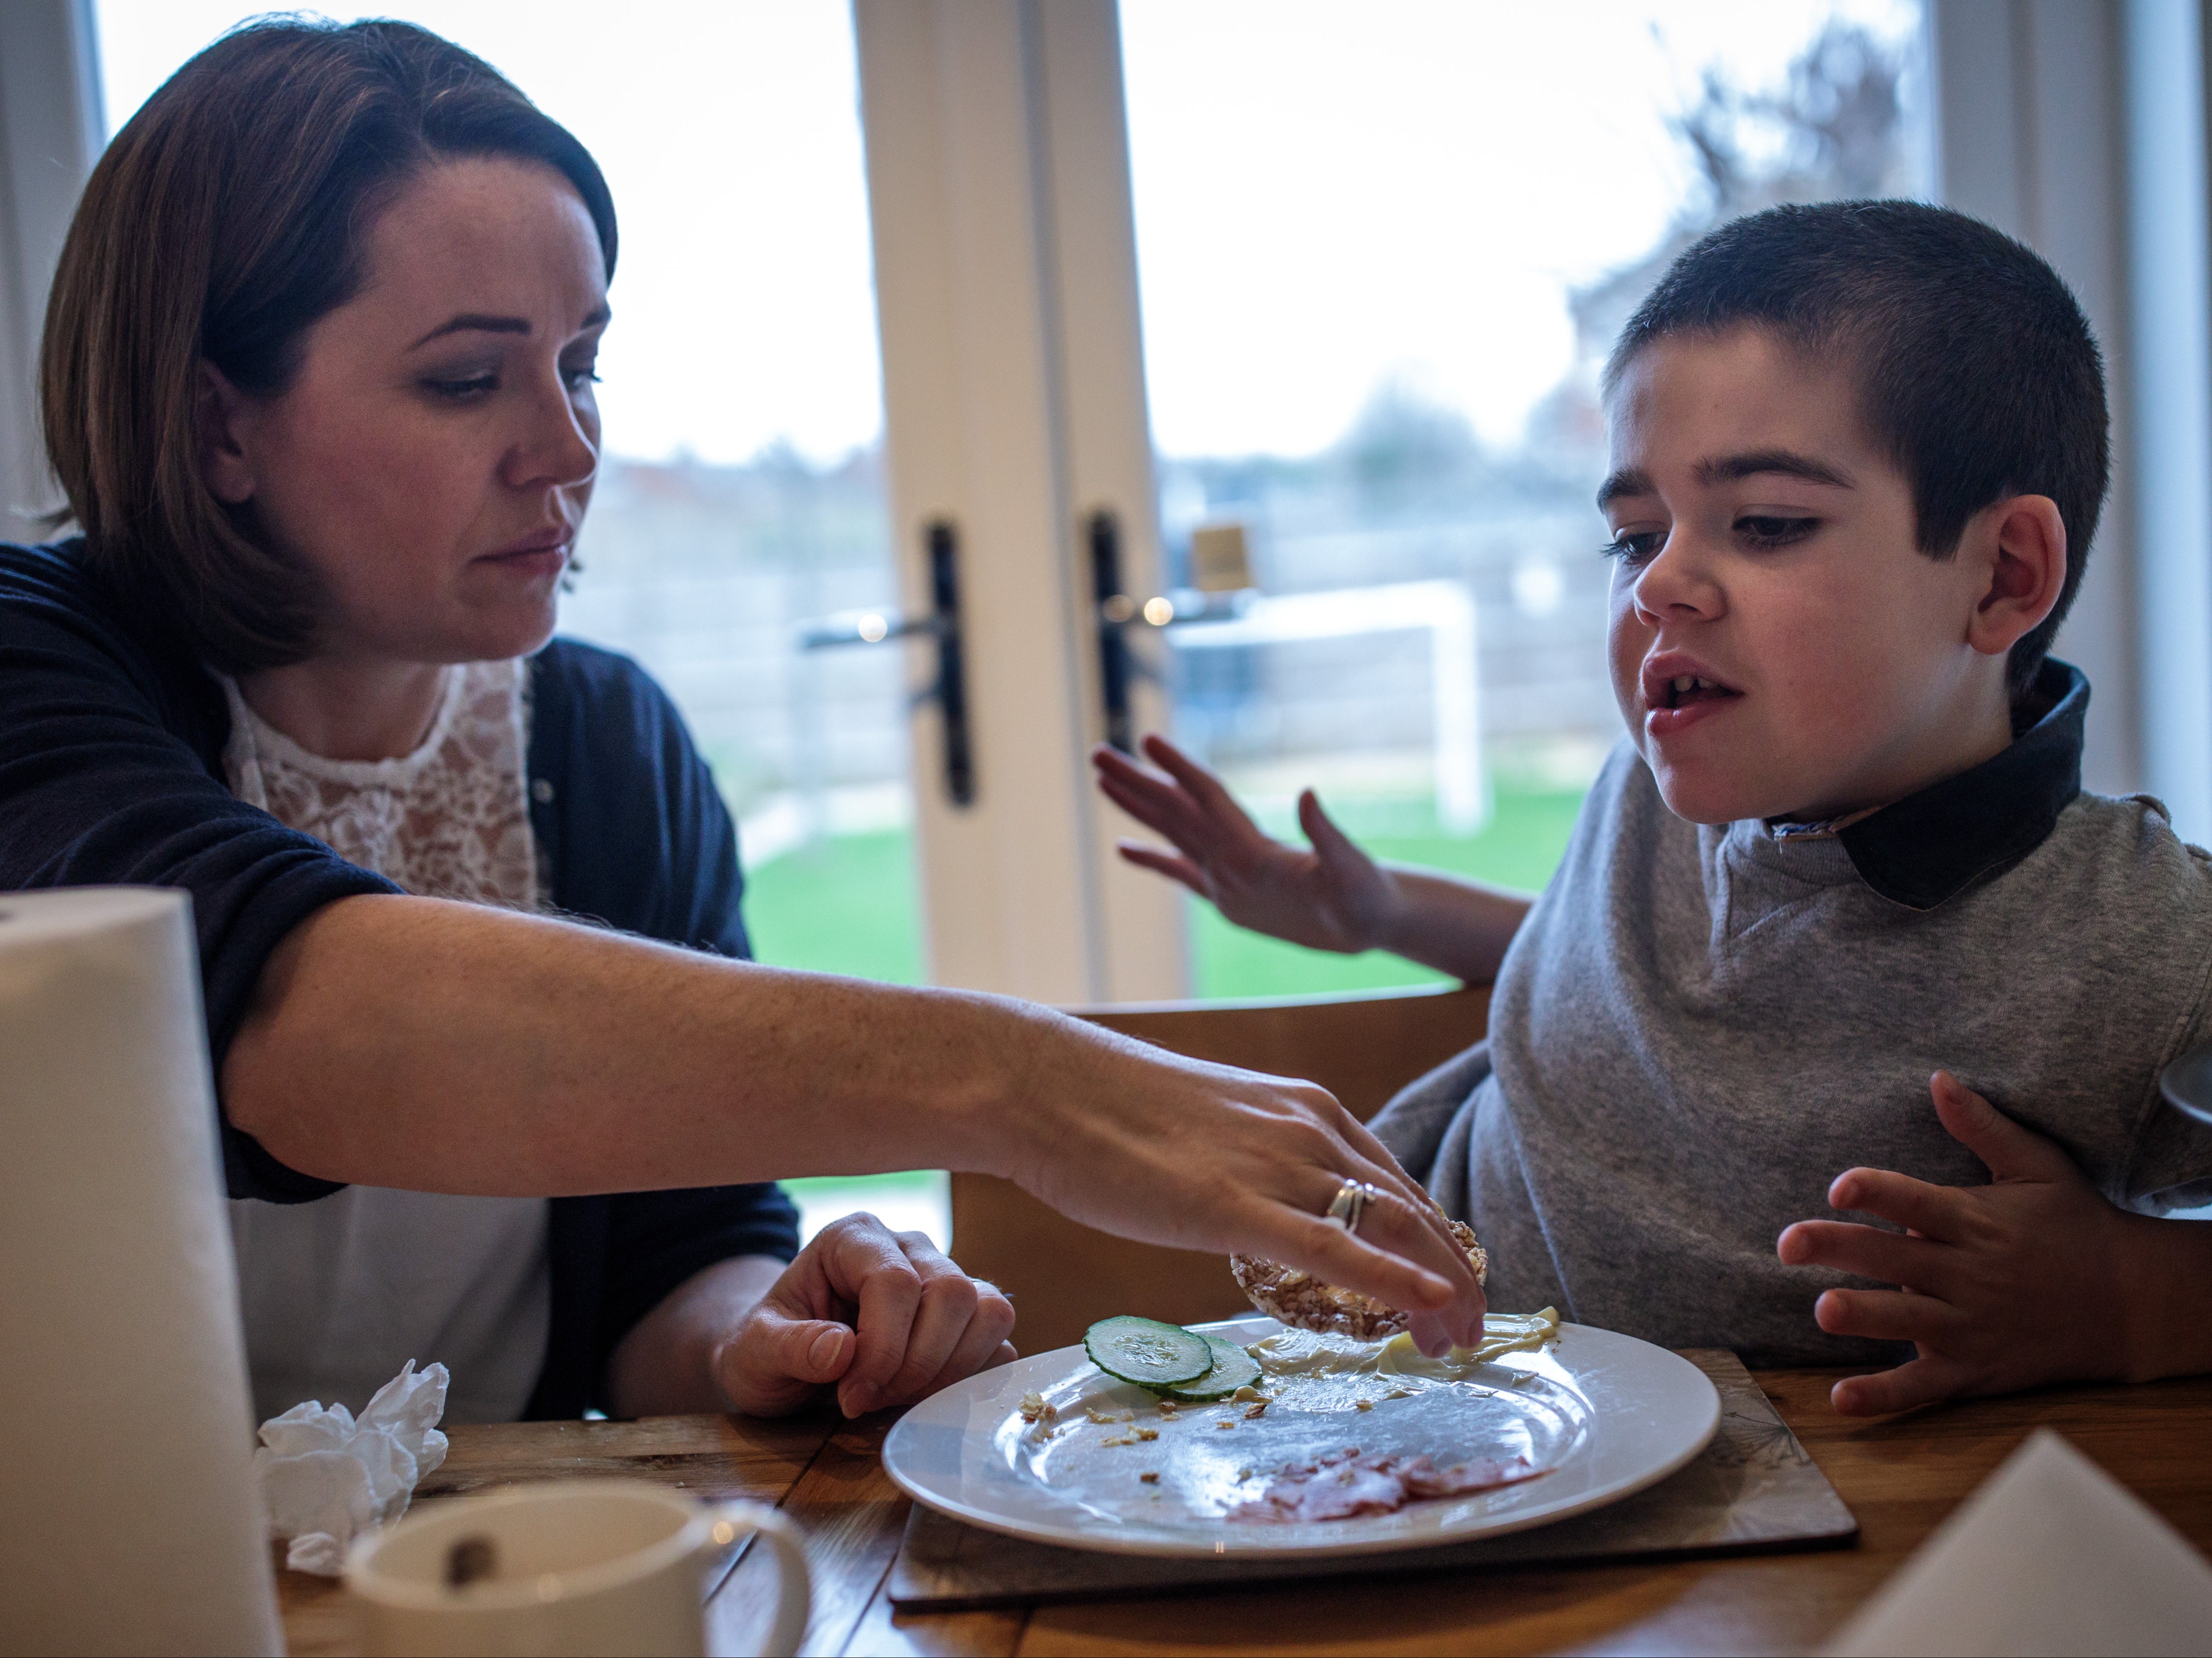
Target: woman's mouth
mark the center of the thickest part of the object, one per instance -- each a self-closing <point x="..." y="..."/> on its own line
<point x="538" y="556"/>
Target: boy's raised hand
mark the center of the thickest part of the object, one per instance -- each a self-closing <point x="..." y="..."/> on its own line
<point x="2032" y="1278"/>
<point x="1333" y="897"/>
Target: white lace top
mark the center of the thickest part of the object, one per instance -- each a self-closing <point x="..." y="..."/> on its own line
<point x="339" y="1293"/>
<point x="450" y="820"/>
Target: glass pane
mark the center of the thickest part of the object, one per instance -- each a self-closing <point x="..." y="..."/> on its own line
<point x="741" y="487"/>
<point x="1383" y="252"/>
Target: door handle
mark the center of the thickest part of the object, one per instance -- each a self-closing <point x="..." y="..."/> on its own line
<point x="948" y="691"/>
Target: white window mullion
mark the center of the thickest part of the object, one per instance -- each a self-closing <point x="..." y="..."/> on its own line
<point x="985" y="238"/>
<point x="51" y="131"/>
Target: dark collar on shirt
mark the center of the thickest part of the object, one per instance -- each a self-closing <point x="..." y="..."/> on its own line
<point x="1932" y="845"/>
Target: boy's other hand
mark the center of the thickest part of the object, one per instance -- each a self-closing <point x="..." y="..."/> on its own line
<point x="882" y="1316"/>
<point x="2003" y="1286"/>
<point x="1331" y="896"/>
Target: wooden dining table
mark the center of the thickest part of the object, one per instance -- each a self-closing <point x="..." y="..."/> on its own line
<point x="1900" y="1476"/>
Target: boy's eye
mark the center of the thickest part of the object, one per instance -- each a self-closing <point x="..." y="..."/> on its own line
<point x="1766" y="529"/>
<point x="1635" y="547"/>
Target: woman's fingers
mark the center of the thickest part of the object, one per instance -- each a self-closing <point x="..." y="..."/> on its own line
<point x="917" y="1315"/>
<point x="1212" y="795"/>
<point x="866" y="1268"/>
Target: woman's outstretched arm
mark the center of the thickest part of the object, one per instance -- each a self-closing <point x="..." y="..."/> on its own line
<point x="412" y="1042"/>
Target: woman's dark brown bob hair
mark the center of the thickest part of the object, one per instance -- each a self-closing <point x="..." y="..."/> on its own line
<point x="225" y="218"/>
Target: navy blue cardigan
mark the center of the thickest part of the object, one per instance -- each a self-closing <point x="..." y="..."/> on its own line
<point x="111" y="771"/>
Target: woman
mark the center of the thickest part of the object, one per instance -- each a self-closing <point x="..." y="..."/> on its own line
<point x="317" y="381"/>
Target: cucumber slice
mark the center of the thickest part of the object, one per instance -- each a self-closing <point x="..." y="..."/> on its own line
<point x="1233" y="1368"/>
<point x="1146" y="1351"/>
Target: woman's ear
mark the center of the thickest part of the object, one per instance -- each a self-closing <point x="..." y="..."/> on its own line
<point x="221" y="412"/>
<point x="2020" y="543"/>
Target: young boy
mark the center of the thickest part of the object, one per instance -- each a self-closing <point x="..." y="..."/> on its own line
<point x="1858" y="454"/>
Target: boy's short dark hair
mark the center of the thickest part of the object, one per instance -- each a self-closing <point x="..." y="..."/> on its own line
<point x="1978" y="371"/>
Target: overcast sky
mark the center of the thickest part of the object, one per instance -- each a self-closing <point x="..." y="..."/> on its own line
<point x="1328" y="194"/>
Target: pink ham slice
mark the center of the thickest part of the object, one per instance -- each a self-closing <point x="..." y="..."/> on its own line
<point x="1346" y="1483"/>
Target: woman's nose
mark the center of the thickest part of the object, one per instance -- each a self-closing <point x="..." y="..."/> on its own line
<point x="559" y="449"/>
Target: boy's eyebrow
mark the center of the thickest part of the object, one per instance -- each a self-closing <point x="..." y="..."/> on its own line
<point x="1727" y="469"/>
<point x="1629" y="481"/>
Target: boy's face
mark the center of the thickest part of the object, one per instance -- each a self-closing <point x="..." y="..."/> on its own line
<point x="1780" y="648"/>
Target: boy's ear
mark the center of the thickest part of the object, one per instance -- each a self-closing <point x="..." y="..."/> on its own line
<point x="2020" y="543"/>
<point x="220" y="412"/>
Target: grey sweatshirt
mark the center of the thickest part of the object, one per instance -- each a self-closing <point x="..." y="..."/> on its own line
<point x="1698" y="1028"/>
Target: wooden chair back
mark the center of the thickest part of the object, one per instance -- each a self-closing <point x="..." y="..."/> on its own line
<point x="1063" y="1276"/>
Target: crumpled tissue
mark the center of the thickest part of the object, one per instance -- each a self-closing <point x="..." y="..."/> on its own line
<point x="326" y="1478"/>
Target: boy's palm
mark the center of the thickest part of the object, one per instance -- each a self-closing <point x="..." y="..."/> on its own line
<point x="1333" y="897"/>
<point x="1998" y="1275"/>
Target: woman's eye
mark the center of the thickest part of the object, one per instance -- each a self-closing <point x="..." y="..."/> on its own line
<point x="1635" y="547"/>
<point x="463" y="391"/>
<point x="578" y="378"/>
<point x="1766" y="529"/>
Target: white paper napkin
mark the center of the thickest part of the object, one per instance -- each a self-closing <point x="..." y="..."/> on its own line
<point x="327" y="1477"/>
<point x="2051" y="1555"/>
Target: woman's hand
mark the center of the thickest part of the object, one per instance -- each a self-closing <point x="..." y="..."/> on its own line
<point x="882" y="1316"/>
<point x="1333" y="897"/>
<point x="1149" y="1144"/>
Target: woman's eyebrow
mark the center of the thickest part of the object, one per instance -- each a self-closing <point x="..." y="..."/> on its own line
<point x="483" y="323"/>
<point x="474" y="322"/>
<point x="1729" y="469"/>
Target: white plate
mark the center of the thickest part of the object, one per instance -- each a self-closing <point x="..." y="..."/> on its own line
<point x="1605" y="1415"/>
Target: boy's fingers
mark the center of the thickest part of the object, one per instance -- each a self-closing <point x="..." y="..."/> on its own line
<point x="2010" y="1151"/>
<point x="1208" y="790"/>
<point x="1161" y="809"/>
<point x="1174" y="867"/>
<point x="1334" y="845"/>
<point x="1920" y="1382"/>
<point x="1866" y="1252"/>
<point x="1885" y="1315"/>
<point x="1936" y="1212"/>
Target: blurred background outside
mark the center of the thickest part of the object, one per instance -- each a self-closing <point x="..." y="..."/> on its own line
<point x="1381" y="253"/>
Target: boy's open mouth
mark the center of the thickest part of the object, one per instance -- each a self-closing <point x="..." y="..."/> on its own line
<point x="1679" y="693"/>
<point x="1684" y="689"/>
<point x="1677" y="683"/>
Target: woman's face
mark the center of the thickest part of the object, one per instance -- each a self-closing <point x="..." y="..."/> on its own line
<point x="432" y="458"/>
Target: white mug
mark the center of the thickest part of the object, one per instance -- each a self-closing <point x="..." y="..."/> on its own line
<point x="563" y="1566"/>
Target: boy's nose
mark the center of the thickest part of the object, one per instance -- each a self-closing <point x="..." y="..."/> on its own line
<point x="1675" y="582"/>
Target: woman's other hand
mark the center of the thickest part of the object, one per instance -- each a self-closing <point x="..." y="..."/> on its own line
<point x="883" y="1317"/>
<point x="1331" y="897"/>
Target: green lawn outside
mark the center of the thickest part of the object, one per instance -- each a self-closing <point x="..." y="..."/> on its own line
<point x="847" y="905"/>
<point x="844" y="905"/>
